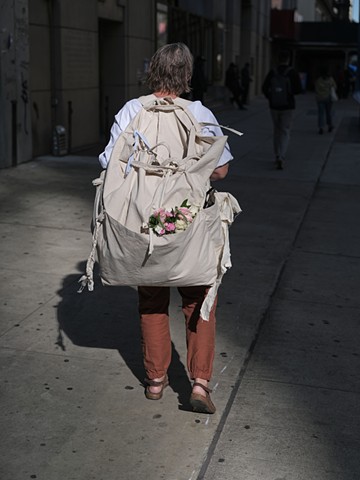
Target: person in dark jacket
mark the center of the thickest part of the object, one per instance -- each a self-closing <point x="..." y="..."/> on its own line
<point x="245" y="82"/>
<point x="198" y="80"/>
<point x="232" y="82"/>
<point x="282" y="115"/>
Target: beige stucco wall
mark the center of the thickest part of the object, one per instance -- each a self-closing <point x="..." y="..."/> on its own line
<point x="64" y="68"/>
<point x="140" y="43"/>
<point x="15" y="98"/>
<point x="99" y="51"/>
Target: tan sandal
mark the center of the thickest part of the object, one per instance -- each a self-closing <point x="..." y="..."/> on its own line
<point x="200" y="403"/>
<point x="154" y="383"/>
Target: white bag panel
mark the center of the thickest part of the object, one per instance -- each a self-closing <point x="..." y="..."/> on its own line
<point x="178" y="259"/>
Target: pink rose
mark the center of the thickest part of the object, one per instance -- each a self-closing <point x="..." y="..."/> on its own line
<point x="160" y="213"/>
<point x="159" y="230"/>
<point x="186" y="212"/>
<point x="169" y="227"/>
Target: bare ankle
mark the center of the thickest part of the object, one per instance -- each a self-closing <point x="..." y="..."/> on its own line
<point x="198" y="389"/>
<point x="202" y="381"/>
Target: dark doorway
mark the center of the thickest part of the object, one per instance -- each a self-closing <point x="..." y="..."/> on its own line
<point x="111" y="73"/>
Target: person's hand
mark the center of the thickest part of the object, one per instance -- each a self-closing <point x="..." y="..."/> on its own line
<point x="220" y="172"/>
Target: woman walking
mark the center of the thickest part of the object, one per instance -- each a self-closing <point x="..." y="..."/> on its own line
<point x="325" y="90"/>
<point x="169" y="76"/>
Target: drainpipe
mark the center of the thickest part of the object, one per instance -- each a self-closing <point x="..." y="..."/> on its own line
<point x="14" y="133"/>
<point x="53" y="69"/>
<point x="358" y="55"/>
<point x="70" y="113"/>
<point x="357" y="85"/>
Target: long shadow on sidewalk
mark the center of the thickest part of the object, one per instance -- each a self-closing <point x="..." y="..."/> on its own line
<point x="107" y="318"/>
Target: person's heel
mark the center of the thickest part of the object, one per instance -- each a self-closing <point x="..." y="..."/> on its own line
<point x="201" y="403"/>
<point x="154" y="383"/>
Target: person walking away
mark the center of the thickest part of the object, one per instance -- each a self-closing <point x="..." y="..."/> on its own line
<point x="232" y="82"/>
<point x="245" y="82"/>
<point x="198" y="80"/>
<point x="324" y="86"/>
<point x="280" y="86"/>
<point x="169" y="75"/>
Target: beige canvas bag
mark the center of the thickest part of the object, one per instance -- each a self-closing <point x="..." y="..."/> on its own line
<point x="160" y="160"/>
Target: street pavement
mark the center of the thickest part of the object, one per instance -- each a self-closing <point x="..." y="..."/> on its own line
<point x="286" y="375"/>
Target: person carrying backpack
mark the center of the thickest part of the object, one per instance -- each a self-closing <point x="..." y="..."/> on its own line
<point x="169" y="76"/>
<point x="280" y="86"/>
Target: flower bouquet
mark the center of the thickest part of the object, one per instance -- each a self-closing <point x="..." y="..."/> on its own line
<point x="165" y="222"/>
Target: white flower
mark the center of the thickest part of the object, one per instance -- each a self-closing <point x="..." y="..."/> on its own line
<point x="159" y="230"/>
<point x="194" y="210"/>
<point x="180" y="224"/>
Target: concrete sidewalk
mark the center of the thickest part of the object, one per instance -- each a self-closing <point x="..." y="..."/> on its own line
<point x="286" y="381"/>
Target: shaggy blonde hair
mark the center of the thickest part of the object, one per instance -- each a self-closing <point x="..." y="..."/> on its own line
<point x="170" y="69"/>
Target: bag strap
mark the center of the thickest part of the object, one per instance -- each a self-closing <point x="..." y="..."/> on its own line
<point x="147" y="102"/>
<point x="232" y="130"/>
<point x="180" y="108"/>
<point x="87" y="280"/>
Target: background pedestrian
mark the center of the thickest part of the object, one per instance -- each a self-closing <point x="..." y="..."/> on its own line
<point x="245" y="82"/>
<point x="280" y="86"/>
<point x="325" y="88"/>
<point x="232" y="82"/>
<point x="198" y="80"/>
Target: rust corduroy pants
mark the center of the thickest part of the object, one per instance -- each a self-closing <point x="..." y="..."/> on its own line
<point x="155" y="330"/>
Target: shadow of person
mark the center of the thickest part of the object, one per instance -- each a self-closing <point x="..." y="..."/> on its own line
<point x="179" y="380"/>
<point x="108" y="318"/>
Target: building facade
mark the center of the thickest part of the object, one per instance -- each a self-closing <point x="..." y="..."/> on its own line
<point x="68" y="65"/>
